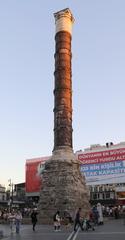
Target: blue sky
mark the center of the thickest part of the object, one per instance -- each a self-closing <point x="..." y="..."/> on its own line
<point x="27" y="47"/>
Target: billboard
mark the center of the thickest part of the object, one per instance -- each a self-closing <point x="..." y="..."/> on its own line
<point x="103" y="167"/>
<point x="32" y="174"/>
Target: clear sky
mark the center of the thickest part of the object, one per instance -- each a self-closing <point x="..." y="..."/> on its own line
<point x="27" y="47"/>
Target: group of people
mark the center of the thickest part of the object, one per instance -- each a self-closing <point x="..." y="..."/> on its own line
<point x="15" y="218"/>
<point x="116" y="211"/>
<point x="97" y="212"/>
<point x="95" y="216"/>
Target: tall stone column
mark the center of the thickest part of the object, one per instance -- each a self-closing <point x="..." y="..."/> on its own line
<point x="63" y="80"/>
<point x="63" y="186"/>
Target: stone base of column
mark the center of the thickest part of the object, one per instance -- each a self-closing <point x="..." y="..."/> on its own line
<point x="63" y="187"/>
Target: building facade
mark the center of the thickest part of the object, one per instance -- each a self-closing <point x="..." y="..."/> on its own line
<point x="102" y="166"/>
<point x="2" y="194"/>
<point x="104" y="170"/>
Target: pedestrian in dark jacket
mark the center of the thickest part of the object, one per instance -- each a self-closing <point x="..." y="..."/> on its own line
<point x="34" y="218"/>
<point x="78" y="220"/>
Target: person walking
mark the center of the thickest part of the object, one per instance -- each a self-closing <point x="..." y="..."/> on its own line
<point x="11" y="218"/>
<point x="34" y="218"/>
<point x="78" y="220"/>
<point x="18" y="219"/>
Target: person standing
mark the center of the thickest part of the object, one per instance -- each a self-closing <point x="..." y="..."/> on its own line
<point x="18" y="219"/>
<point x="57" y="221"/>
<point x="78" y="220"/>
<point x="100" y="217"/>
<point x="34" y="218"/>
<point x="116" y="212"/>
<point x="95" y="215"/>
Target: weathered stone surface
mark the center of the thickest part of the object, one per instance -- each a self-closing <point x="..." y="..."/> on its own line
<point x="63" y="187"/>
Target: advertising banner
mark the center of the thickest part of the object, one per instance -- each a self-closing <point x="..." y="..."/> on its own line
<point x="33" y="178"/>
<point x="102" y="156"/>
<point x="103" y="167"/>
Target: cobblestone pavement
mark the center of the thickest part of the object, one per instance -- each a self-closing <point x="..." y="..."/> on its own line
<point x="111" y="230"/>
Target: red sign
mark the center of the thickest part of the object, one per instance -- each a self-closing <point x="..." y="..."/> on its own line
<point x="102" y="156"/>
<point x="33" y="179"/>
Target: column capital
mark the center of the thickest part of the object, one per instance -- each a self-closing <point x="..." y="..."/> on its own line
<point x="64" y="20"/>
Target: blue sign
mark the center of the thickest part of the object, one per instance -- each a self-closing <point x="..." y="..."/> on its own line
<point x="103" y="172"/>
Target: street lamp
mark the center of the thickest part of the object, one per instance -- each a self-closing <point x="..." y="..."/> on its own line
<point x="11" y="185"/>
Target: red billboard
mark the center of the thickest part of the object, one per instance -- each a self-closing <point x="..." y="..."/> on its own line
<point x="32" y="174"/>
<point x="102" y="156"/>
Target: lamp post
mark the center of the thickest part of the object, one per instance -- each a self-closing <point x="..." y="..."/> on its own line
<point x="11" y="185"/>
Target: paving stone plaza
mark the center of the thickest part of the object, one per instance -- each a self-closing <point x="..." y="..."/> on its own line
<point x="112" y="229"/>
